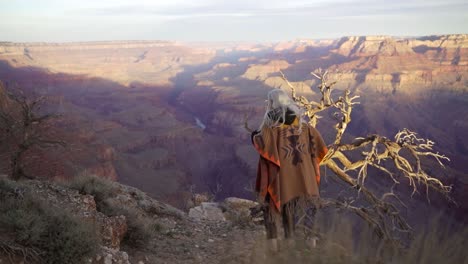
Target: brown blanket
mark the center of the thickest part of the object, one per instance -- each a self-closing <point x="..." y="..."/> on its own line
<point x="289" y="162"/>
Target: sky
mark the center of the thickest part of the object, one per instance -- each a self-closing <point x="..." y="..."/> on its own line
<point x="227" y="20"/>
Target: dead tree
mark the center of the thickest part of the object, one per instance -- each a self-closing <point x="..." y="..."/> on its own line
<point x="23" y="128"/>
<point x="403" y="154"/>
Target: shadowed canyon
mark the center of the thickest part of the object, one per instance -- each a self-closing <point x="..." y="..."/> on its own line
<point x="168" y="117"/>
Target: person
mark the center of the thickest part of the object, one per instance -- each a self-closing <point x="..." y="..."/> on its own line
<point x="290" y="152"/>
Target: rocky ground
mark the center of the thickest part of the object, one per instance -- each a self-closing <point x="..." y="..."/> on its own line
<point x="217" y="241"/>
<point x="212" y="232"/>
<point x="224" y="232"/>
<point x="203" y="242"/>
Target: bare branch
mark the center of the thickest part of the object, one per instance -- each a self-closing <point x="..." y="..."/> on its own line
<point x="11" y="249"/>
<point x="23" y="128"/>
<point x="376" y="151"/>
<point x="246" y="124"/>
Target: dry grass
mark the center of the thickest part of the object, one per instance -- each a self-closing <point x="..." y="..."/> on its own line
<point x="342" y="241"/>
<point x="441" y="241"/>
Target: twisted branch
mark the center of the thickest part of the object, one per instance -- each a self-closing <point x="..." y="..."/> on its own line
<point x="12" y="250"/>
<point x="375" y="150"/>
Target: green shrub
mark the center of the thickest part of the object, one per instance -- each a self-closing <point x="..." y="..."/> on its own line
<point x="141" y="228"/>
<point x="57" y="236"/>
<point x="7" y="186"/>
<point x="98" y="187"/>
<point x="68" y="239"/>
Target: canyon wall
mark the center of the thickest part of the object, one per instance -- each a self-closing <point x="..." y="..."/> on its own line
<point x="132" y="106"/>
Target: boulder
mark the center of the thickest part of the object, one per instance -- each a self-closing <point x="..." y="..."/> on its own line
<point x="110" y="256"/>
<point x="239" y="211"/>
<point x="113" y="230"/>
<point x="131" y="197"/>
<point x="207" y="211"/>
<point x="238" y="204"/>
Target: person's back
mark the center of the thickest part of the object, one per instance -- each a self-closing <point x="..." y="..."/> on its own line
<point x="290" y="153"/>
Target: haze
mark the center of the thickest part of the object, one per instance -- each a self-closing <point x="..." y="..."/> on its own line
<point x="240" y="20"/>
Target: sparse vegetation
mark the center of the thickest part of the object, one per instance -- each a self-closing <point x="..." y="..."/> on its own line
<point x="241" y="218"/>
<point x="40" y="232"/>
<point x="141" y="228"/>
<point x="7" y="186"/>
<point x="343" y="241"/>
<point x="98" y="187"/>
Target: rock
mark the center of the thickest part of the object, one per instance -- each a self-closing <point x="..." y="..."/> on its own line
<point x="263" y="71"/>
<point x="235" y="203"/>
<point x="113" y="230"/>
<point x="111" y="256"/>
<point x="196" y="212"/>
<point x="239" y="211"/>
<point x="200" y="198"/>
<point x="207" y="211"/>
<point x="213" y="211"/>
<point x="372" y="45"/>
<point x="108" y="259"/>
<point x="134" y="198"/>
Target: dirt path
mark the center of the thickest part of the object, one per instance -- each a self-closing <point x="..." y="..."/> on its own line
<point x="204" y="242"/>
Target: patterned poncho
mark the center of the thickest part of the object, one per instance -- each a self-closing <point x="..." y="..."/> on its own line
<point x="289" y="160"/>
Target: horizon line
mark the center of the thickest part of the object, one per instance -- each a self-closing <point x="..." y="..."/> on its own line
<point x="226" y="41"/>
